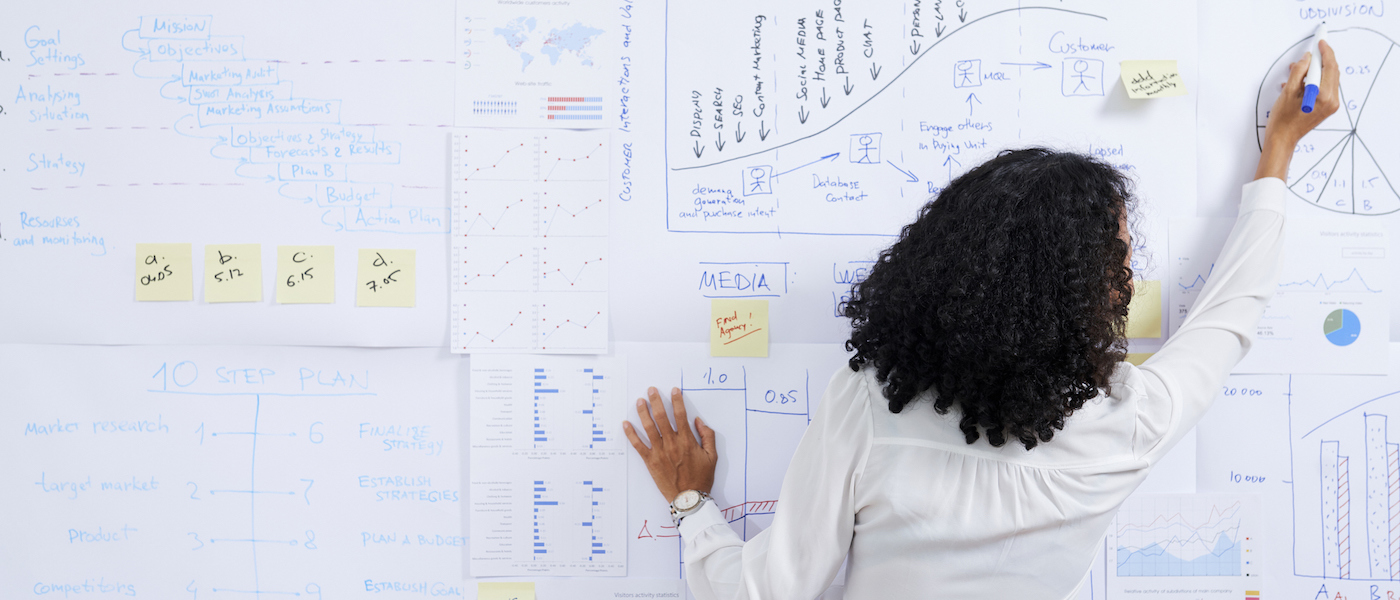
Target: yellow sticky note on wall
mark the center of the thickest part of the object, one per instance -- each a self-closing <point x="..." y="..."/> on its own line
<point x="1145" y="310"/>
<point x="505" y="590"/>
<point x="1138" y="358"/>
<point x="164" y="272"/>
<point x="305" y="275"/>
<point x="1152" y="79"/>
<point x="233" y="273"/>
<point x="738" y="328"/>
<point x="386" y="278"/>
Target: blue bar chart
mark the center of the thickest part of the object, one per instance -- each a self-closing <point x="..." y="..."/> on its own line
<point x="549" y="467"/>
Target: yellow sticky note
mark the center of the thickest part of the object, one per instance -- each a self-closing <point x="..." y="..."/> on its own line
<point x="386" y="278"/>
<point x="305" y="275"/>
<point x="738" y="328"/>
<point x="1145" y="310"/>
<point x="164" y="272"/>
<point x="1152" y="79"/>
<point x="1138" y="358"/>
<point x="233" y="273"/>
<point x="505" y="590"/>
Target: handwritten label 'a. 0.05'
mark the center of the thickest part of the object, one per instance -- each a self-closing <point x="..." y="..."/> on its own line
<point x="233" y="273"/>
<point x="164" y="273"/>
<point x="306" y="274"/>
<point x="386" y="278"/>
<point x="739" y="328"/>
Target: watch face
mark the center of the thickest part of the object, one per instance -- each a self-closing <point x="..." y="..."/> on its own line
<point x="687" y="500"/>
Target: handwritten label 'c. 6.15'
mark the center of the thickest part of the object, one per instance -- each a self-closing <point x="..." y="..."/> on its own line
<point x="306" y="274"/>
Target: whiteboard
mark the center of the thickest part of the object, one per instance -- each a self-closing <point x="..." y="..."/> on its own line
<point x="739" y="164"/>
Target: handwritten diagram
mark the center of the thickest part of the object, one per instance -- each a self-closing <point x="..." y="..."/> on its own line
<point x="844" y="121"/>
<point x="300" y="472"/>
<point x="1348" y="163"/>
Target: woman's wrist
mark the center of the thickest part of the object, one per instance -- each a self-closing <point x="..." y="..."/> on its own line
<point x="1274" y="159"/>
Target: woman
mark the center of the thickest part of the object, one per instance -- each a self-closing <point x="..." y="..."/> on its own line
<point x="987" y="430"/>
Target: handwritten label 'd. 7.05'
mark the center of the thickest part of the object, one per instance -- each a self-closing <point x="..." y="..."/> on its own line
<point x="386" y="278"/>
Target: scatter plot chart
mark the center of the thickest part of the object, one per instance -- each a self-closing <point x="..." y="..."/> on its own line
<point x="1351" y="162"/>
<point x="1183" y="539"/>
<point x="549" y="470"/>
<point x="529" y="237"/>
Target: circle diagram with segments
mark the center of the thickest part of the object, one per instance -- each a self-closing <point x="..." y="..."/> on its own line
<point x="1351" y="162"/>
<point x="1341" y="327"/>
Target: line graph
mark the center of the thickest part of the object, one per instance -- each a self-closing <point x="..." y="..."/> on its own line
<point x="1173" y="537"/>
<point x="576" y="167"/>
<point x="573" y="219"/>
<point x="478" y="277"/>
<point x="573" y="264"/>
<point x="1352" y="283"/>
<point x="512" y="164"/>
<point x="481" y="332"/>
<point x="491" y="219"/>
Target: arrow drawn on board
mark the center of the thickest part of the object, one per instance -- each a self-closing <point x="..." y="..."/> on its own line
<point x="698" y="149"/>
<point x="912" y="177"/>
<point x="762" y="133"/>
<point x="830" y="157"/>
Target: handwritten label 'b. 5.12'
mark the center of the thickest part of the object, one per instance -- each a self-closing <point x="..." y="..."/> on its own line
<point x="164" y="273"/>
<point x="386" y="278"/>
<point x="233" y="273"/>
<point x="306" y="274"/>
<point x="738" y="328"/>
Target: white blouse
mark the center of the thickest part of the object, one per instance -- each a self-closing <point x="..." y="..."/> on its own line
<point x="923" y="514"/>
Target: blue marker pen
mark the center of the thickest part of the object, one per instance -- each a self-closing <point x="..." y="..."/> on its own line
<point x="1314" y="76"/>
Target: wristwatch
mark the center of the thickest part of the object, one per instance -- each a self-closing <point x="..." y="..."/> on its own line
<point x="687" y="503"/>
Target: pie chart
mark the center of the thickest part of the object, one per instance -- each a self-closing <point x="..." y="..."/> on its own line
<point x="1341" y="327"/>
<point x="1351" y="162"/>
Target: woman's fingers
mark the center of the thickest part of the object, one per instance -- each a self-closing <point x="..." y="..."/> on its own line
<point x="1331" y="74"/>
<point x="682" y="423"/>
<point x="636" y="440"/>
<point x="1296" y="71"/>
<point x="658" y="414"/>
<point x="707" y="438"/>
<point x="649" y="426"/>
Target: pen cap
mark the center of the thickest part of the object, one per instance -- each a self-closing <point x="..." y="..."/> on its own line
<point x="1309" y="98"/>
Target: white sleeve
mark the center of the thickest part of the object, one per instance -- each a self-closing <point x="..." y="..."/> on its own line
<point x="1183" y="379"/>
<point x="814" y="520"/>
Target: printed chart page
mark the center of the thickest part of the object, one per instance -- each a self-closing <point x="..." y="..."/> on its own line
<point x="529" y="241"/>
<point x="537" y="64"/>
<point x="183" y="472"/>
<point x="1330" y="313"/>
<point x="1350" y="164"/>
<point x="548" y="466"/>
<point x="1186" y="546"/>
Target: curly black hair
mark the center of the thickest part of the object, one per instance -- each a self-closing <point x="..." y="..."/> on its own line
<point x="1007" y="297"/>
